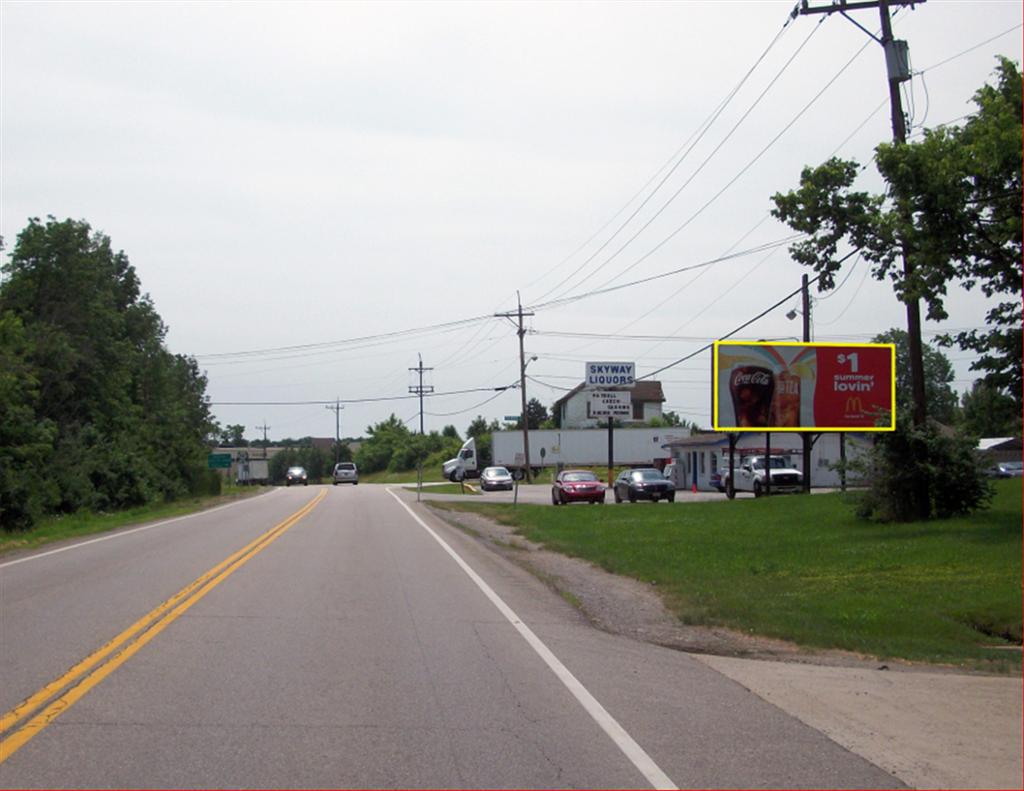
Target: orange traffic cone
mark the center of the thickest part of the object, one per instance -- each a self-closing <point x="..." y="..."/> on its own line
<point x="694" y="488"/>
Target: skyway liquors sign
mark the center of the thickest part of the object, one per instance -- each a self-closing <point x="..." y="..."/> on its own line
<point x="604" y="375"/>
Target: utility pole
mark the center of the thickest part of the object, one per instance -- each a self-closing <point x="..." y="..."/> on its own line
<point x="521" y="331"/>
<point x="420" y="389"/>
<point x="336" y="409"/>
<point x="805" y="439"/>
<point x="265" y="428"/>
<point x="897" y="66"/>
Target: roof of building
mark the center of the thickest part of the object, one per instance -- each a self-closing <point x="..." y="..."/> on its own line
<point x="643" y="391"/>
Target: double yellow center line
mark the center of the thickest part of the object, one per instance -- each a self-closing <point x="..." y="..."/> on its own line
<point x="43" y="707"/>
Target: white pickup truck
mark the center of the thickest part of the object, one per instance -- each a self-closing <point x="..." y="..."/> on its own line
<point x="751" y="472"/>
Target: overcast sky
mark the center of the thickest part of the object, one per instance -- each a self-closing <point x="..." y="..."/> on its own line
<point x="330" y="175"/>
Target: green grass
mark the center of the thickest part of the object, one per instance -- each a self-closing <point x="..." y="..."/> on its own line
<point x="406" y="476"/>
<point x="446" y="488"/>
<point x="805" y="569"/>
<point x="58" y="528"/>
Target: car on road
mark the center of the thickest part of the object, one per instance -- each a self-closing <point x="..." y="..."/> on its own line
<point x="577" y="486"/>
<point x="345" y="472"/>
<point x="643" y="484"/>
<point x="495" y="479"/>
<point x="296" y="475"/>
<point x="1006" y="469"/>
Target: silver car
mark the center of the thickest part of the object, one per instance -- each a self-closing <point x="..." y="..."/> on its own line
<point x="494" y="478"/>
<point x="345" y="472"/>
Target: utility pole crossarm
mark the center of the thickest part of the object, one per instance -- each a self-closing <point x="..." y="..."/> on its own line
<point x="840" y="6"/>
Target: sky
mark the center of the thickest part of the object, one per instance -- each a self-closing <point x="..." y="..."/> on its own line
<point x="318" y="196"/>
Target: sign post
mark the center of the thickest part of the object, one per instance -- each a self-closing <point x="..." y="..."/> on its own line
<point x="610" y="403"/>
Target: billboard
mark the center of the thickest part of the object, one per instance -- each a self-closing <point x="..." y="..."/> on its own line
<point x="804" y="386"/>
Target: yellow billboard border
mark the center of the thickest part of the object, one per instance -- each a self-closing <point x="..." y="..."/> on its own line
<point x="798" y="429"/>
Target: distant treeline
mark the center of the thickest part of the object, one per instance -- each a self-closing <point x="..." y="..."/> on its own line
<point x="95" y="412"/>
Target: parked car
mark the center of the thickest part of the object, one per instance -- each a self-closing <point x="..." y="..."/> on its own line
<point x="1006" y="469"/>
<point x="345" y="472"/>
<point x="643" y="484"/>
<point x="495" y="479"/>
<point x="296" y="475"/>
<point x="577" y="486"/>
<point x="752" y="476"/>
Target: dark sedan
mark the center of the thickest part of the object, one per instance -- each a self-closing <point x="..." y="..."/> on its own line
<point x="646" y="484"/>
<point x="576" y="486"/>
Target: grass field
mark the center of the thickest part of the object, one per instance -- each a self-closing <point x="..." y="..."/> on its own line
<point x="448" y="488"/>
<point x="83" y="524"/>
<point x="805" y="569"/>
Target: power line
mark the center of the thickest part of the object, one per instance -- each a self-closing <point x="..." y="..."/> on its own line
<point x="358" y="400"/>
<point x="689" y="268"/>
<point x="689" y="145"/>
<point x="695" y="173"/>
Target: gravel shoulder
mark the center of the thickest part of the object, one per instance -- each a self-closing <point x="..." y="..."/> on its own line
<point x="932" y="727"/>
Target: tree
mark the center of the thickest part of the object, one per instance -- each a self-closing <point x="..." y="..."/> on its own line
<point x="536" y="413"/>
<point x="479" y="426"/>
<point x="127" y="422"/>
<point x="989" y="412"/>
<point x="951" y="211"/>
<point x="233" y="436"/>
<point x="450" y="432"/>
<point x="938" y="378"/>
<point x="992" y="145"/>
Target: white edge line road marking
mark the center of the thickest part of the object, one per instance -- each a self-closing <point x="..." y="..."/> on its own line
<point x="633" y="751"/>
<point x="121" y="533"/>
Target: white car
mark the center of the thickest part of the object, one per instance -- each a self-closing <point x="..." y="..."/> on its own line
<point x="345" y="472"/>
<point x="495" y="478"/>
<point x="751" y="477"/>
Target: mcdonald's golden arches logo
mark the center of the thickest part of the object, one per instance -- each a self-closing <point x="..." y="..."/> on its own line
<point x="854" y="406"/>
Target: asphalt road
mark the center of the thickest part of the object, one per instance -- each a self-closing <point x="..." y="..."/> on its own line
<point x="364" y="644"/>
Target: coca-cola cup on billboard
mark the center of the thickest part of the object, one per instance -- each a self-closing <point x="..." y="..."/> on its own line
<point x="751" y="388"/>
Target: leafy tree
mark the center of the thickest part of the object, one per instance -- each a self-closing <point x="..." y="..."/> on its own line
<point x="26" y="444"/>
<point x="233" y="437"/>
<point x="991" y="248"/>
<point x="126" y="421"/>
<point x="480" y="426"/>
<point x="951" y="211"/>
<point x="536" y="413"/>
<point x="938" y="378"/>
<point x="450" y="432"/>
<point x="989" y="412"/>
<point x="382" y="439"/>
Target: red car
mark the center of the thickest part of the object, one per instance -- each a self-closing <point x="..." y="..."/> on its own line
<point x="576" y="486"/>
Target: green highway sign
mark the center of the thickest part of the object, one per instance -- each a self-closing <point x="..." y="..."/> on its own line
<point x="511" y="418"/>
<point x="218" y="461"/>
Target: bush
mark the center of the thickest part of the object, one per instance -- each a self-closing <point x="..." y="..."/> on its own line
<point x="942" y="467"/>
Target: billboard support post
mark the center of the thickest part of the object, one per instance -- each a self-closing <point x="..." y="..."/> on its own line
<point x="768" y="463"/>
<point x="732" y="466"/>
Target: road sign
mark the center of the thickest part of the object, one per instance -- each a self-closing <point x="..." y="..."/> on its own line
<point x="218" y="461"/>
<point x="603" y="375"/>
<point x="511" y="418"/>
<point x="610" y="403"/>
<point x="804" y="386"/>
